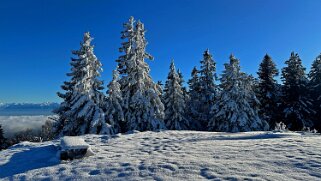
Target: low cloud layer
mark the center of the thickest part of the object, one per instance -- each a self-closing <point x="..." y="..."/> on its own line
<point x="14" y="124"/>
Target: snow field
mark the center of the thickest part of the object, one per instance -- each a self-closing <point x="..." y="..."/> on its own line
<point x="173" y="155"/>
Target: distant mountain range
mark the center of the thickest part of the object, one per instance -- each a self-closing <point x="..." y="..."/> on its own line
<point x="19" y="109"/>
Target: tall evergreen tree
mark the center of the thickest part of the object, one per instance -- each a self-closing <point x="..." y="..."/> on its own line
<point x="160" y="86"/>
<point x="295" y="101"/>
<point x="207" y="87"/>
<point x="315" y="90"/>
<point x="193" y="104"/>
<point x="143" y="107"/>
<point x="82" y="112"/>
<point x="114" y="111"/>
<point x="235" y="108"/>
<point x="2" y="139"/>
<point x="174" y="102"/>
<point x="128" y="48"/>
<point x="67" y="94"/>
<point x="181" y="83"/>
<point x="267" y="90"/>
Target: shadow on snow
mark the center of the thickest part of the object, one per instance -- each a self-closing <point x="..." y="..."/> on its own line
<point x="240" y="137"/>
<point x="29" y="159"/>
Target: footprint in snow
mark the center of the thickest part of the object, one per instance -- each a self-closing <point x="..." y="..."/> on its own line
<point x="125" y="164"/>
<point x="94" y="172"/>
<point x="206" y="174"/>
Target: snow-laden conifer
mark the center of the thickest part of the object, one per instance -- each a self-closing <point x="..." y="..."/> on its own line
<point x="315" y="90"/>
<point x="268" y="91"/>
<point x="295" y="101"/>
<point x="174" y="102"/>
<point x="66" y="96"/>
<point x="160" y="87"/>
<point x="194" y="104"/>
<point x="207" y="87"/>
<point x="236" y="107"/>
<point x="127" y="48"/>
<point x="114" y="112"/>
<point x="143" y="107"/>
<point x="85" y="104"/>
<point x="181" y="83"/>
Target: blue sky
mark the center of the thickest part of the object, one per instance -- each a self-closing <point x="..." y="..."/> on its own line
<point x="37" y="37"/>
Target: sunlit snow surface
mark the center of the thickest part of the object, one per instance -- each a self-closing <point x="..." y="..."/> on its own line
<point x="173" y="155"/>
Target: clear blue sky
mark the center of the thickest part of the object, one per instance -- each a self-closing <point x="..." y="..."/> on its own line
<point x="37" y="36"/>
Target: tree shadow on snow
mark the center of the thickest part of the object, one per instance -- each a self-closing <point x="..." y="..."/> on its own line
<point x="240" y="137"/>
<point x="29" y="159"/>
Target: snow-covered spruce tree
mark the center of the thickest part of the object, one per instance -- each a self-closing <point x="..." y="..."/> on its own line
<point x="160" y="86"/>
<point x="315" y="90"/>
<point x="181" y="83"/>
<point x="295" y="102"/>
<point x="68" y="87"/>
<point x="251" y="84"/>
<point x="207" y="88"/>
<point x="114" y="112"/>
<point x="193" y="104"/>
<point x="143" y="107"/>
<point x="2" y="139"/>
<point x="128" y="35"/>
<point x="267" y="91"/>
<point x="236" y="107"/>
<point x="174" y="102"/>
<point x="85" y="104"/>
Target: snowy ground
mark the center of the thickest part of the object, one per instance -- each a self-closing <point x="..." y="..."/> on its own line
<point x="173" y="155"/>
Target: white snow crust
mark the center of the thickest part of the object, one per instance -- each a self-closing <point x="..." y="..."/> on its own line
<point x="172" y="155"/>
<point x="73" y="142"/>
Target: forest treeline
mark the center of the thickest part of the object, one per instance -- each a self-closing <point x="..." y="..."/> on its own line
<point x="231" y="102"/>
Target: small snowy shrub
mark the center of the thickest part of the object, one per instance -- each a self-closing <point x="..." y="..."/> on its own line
<point x="47" y="130"/>
<point x="308" y="130"/>
<point x="281" y="127"/>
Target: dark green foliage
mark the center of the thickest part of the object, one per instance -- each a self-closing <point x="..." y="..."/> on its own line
<point x="174" y="102"/>
<point x="267" y="91"/>
<point x="207" y="88"/>
<point x="296" y="104"/>
<point x="181" y="82"/>
<point x="193" y="105"/>
<point x="315" y="90"/>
